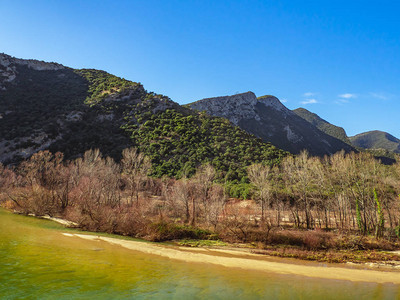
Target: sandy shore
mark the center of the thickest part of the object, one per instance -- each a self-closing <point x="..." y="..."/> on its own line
<point x="61" y="221"/>
<point x="64" y="222"/>
<point x="249" y="261"/>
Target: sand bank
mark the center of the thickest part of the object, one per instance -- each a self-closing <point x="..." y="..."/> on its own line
<point x="249" y="261"/>
<point x="64" y="222"/>
<point x="61" y="221"/>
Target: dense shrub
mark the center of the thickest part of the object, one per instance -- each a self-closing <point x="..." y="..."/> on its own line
<point x="163" y="231"/>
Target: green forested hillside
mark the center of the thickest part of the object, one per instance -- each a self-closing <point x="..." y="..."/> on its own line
<point x="178" y="140"/>
<point x="376" y="140"/>
<point x="72" y="111"/>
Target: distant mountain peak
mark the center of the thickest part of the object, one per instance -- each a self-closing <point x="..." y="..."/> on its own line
<point x="376" y="139"/>
<point x="267" y="118"/>
<point x="237" y="107"/>
<point x="272" y="101"/>
<point x="247" y="98"/>
<point x="234" y="107"/>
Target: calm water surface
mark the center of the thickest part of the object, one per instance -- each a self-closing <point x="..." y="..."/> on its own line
<point x="38" y="262"/>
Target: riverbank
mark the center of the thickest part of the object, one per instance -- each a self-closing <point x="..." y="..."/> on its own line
<point x="375" y="258"/>
<point x="64" y="222"/>
<point x="249" y="261"/>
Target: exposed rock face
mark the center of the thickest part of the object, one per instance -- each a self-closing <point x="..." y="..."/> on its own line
<point x="9" y="61"/>
<point x="267" y="118"/>
<point x="238" y="107"/>
<point x="234" y="108"/>
<point x="33" y="143"/>
<point x="274" y="103"/>
<point x="8" y="67"/>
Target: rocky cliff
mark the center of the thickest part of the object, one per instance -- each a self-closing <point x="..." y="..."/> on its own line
<point x="9" y="64"/>
<point x="267" y="118"/>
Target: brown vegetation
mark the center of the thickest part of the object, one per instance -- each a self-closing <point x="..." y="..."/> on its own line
<point x="339" y="202"/>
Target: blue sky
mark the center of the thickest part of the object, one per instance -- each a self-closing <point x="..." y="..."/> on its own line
<point x="339" y="59"/>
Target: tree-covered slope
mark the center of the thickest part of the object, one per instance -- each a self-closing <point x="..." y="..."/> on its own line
<point x="321" y="124"/>
<point x="380" y="152"/>
<point x="376" y="140"/>
<point x="49" y="106"/>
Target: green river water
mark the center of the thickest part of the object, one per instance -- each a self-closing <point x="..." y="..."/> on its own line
<point x="38" y="262"/>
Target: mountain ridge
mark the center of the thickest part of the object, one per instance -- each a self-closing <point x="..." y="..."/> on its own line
<point x="323" y="125"/>
<point x="267" y="118"/>
<point x="376" y="139"/>
<point x="53" y="107"/>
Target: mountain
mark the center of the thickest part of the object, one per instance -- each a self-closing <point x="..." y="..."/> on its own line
<point x="267" y="118"/>
<point x="50" y="106"/>
<point x="376" y="140"/>
<point x="321" y="124"/>
<point x="384" y="154"/>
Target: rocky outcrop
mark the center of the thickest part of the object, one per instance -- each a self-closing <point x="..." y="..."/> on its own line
<point x="238" y="107"/>
<point x="267" y="118"/>
<point x="8" y="67"/>
<point x="9" y="61"/>
<point x="234" y="108"/>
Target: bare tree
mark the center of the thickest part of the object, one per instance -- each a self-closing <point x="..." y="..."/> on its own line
<point x="183" y="192"/>
<point x="204" y="180"/>
<point x="216" y="206"/>
<point x="135" y="168"/>
<point x="259" y="176"/>
<point x="299" y="179"/>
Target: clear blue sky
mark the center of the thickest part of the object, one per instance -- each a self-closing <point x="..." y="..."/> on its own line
<point x="339" y="59"/>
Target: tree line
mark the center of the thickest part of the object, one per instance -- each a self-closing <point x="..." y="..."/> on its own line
<point x="352" y="193"/>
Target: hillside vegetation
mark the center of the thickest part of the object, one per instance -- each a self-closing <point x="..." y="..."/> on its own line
<point x="321" y="124"/>
<point x="341" y="208"/>
<point x="103" y="152"/>
<point x="381" y="145"/>
<point x="72" y="111"/>
<point x="376" y="140"/>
